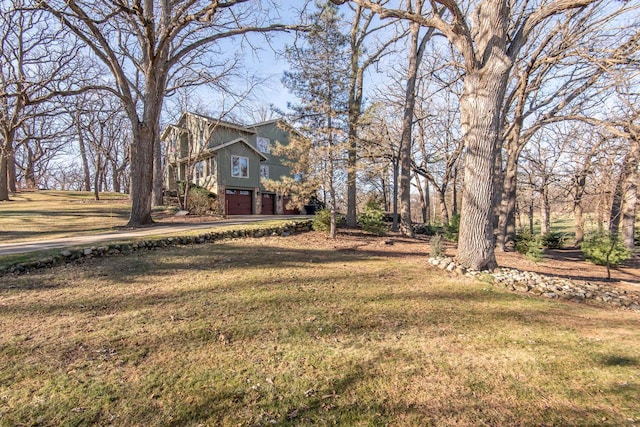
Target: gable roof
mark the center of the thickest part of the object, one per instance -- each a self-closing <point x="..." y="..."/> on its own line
<point x="280" y="122"/>
<point x="236" y="141"/>
<point x="217" y="122"/>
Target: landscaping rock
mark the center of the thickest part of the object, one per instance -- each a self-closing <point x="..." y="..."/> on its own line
<point x="545" y="286"/>
<point x="67" y="255"/>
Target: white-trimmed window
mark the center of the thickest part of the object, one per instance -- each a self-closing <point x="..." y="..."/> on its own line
<point x="264" y="171"/>
<point x="263" y="144"/>
<point x="239" y="167"/>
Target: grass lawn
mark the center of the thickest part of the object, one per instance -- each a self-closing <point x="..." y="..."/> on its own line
<point x="53" y="214"/>
<point x="304" y="331"/>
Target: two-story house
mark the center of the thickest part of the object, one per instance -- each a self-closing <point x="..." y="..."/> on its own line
<point x="230" y="160"/>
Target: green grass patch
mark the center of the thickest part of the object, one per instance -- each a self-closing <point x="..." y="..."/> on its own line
<point x="281" y="331"/>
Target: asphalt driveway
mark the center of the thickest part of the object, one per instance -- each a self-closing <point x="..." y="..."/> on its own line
<point x="126" y="234"/>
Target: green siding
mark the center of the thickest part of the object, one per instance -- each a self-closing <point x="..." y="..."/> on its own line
<point x="224" y="167"/>
<point x="223" y="135"/>
<point x="276" y="135"/>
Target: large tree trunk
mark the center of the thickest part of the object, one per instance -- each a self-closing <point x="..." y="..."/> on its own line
<point x="141" y="175"/>
<point x="5" y="158"/>
<point x="145" y="134"/>
<point x="616" y="206"/>
<point x="158" y="173"/>
<point x="630" y="195"/>
<point x="4" y="189"/>
<point x="480" y="106"/>
<point x="11" y="172"/>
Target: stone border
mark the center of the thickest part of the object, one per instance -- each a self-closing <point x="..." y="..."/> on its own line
<point x="70" y="255"/>
<point x="544" y="286"/>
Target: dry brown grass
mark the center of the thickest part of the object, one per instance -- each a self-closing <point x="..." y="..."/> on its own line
<point x="53" y="214"/>
<point x="301" y="331"/>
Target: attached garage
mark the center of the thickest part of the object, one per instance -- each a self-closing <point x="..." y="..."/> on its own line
<point x="268" y="204"/>
<point x="238" y="202"/>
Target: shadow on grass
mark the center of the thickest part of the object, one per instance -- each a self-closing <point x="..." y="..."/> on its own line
<point x="618" y="360"/>
<point x="73" y="212"/>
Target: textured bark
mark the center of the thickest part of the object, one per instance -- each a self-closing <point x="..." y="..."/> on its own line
<point x="4" y="189"/>
<point x="141" y="176"/>
<point x="480" y="104"/>
<point x="5" y="157"/>
<point x="11" y="171"/>
<point x="616" y="206"/>
<point x="158" y="174"/>
<point x="630" y="194"/>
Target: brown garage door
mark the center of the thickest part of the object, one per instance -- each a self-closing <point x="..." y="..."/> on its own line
<point x="268" y="204"/>
<point x="287" y="211"/>
<point x="238" y="202"/>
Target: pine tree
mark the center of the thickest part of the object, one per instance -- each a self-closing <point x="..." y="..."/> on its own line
<point x="320" y="64"/>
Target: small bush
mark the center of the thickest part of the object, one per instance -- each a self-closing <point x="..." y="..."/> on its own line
<point x="437" y="246"/>
<point x="528" y="245"/>
<point x="201" y="201"/>
<point x="322" y="220"/>
<point x="604" y="249"/>
<point x="425" y="229"/>
<point x="372" y="219"/>
<point x="553" y="240"/>
<point x="452" y="229"/>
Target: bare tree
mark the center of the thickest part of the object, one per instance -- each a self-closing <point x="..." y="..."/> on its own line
<point x="545" y="157"/>
<point x="439" y="144"/>
<point x="381" y="150"/>
<point x="552" y="80"/>
<point x="363" y="27"/>
<point x="38" y="143"/>
<point x="37" y="61"/>
<point x="587" y="148"/>
<point x="103" y="136"/>
<point x="489" y="38"/>
<point x="145" y="46"/>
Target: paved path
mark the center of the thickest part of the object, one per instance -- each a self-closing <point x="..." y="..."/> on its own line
<point x="91" y="239"/>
